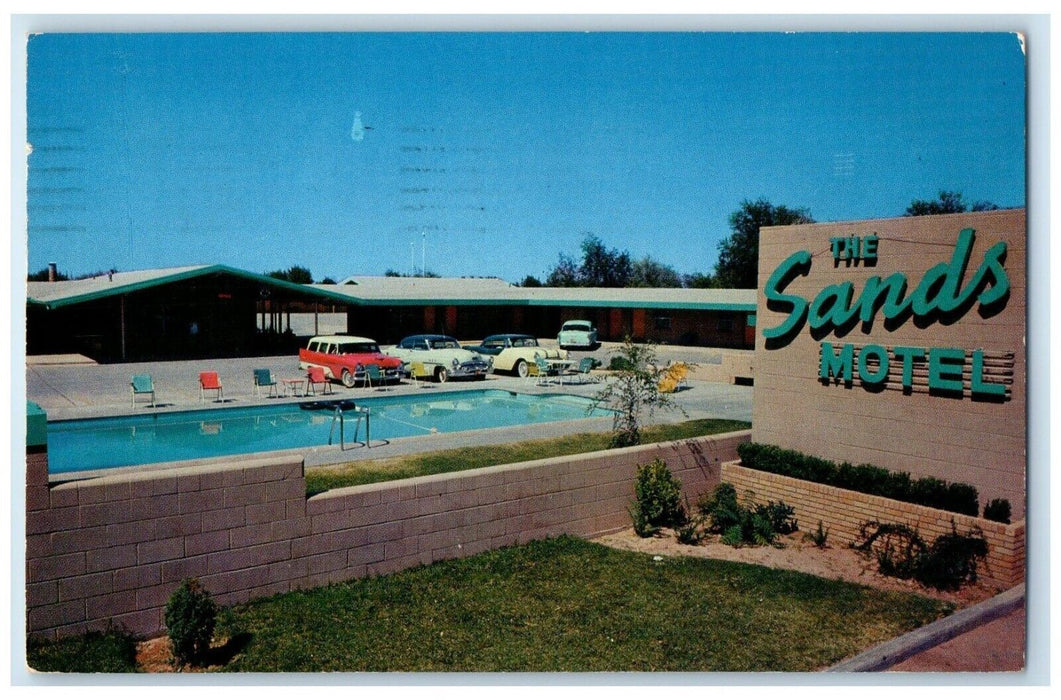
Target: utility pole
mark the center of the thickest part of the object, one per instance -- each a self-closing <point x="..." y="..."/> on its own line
<point x="423" y="254"/>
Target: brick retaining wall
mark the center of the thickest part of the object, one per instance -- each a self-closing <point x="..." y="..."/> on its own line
<point x="112" y="549"/>
<point x="841" y="511"/>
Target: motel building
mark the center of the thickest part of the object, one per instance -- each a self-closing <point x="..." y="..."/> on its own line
<point x="213" y="311"/>
<point x="896" y="342"/>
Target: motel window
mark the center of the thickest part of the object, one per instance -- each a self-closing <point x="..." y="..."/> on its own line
<point x="662" y="323"/>
<point x="725" y="323"/>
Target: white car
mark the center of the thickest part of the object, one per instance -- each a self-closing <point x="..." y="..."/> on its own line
<point x="443" y="357"/>
<point x="514" y="352"/>
<point x="577" y="334"/>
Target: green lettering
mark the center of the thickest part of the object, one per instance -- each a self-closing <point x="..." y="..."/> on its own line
<point x="945" y="368"/>
<point x="978" y="386"/>
<point x="833" y="306"/>
<point x="865" y="372"/>
<point x="797" y="264"/>
<point x="950" y="298"/>
<point x="992" y="265"/>
<point x="893" y="289"/>
<point x="908" y="355"/>
<point x="837" y="365"/>
<point x="869" y="247"/>
<point x="925" y="298"/>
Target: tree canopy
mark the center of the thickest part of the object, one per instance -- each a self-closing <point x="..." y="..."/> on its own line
<point x="947" y="203"/>
<point x="604" y="267"/>
<point x="738" y="255"/>
<point x="295" y="273"/>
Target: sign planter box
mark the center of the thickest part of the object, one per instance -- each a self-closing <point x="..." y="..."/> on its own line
<point x="843" y="511"/>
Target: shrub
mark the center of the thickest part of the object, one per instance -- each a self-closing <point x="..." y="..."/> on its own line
<point x="864" y="478"/>
<point x="948" y="563"/>
<point x="779" y="515"/>
<point x="951" y="559"/>
<point x="190" y="618"/>
<point x="819" y="536"/>
<point x="739" y="524"/>
<point x="691" y="532"/>
<point x="997" y="510"/>
<point x="642" y="526"/>
<point x="658" y="499"/>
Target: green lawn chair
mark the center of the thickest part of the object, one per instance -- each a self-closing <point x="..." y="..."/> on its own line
<point x="142" y="385"/>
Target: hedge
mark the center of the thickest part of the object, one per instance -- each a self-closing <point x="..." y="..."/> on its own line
<point x="864" y="478"/>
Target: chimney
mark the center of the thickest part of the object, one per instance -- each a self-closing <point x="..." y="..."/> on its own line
<point x="51" y="271"/>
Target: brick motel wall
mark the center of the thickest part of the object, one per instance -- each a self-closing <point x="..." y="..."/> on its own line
<point x="954" y="436"/>
<point x="842" y="511"/>
<point x="111" y="550"/>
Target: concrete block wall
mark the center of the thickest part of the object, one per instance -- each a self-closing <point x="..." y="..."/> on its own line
<point x="111" y="550"/>
<point x="842" y="512"/>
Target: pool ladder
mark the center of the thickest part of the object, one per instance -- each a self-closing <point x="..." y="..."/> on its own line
<point x="340" y="418"/>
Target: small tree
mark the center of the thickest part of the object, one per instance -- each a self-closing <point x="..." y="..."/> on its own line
<point x="190" y="619"/>
<point x="634" y="392"/>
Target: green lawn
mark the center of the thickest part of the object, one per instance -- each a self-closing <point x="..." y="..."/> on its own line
<point x="569" y="605"/>
<point x="376" y="470"/>
<point x="95" y="652"/>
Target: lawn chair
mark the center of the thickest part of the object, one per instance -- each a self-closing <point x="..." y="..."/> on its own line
<point x="315" y="376"/>
<point x="418" y="373"/>
<point x="543" y="370"/>
<point x="142" y="385"/>
<point x="209" y="381"/>
<point x="584" y="371"/>
<point x="373" y="374"/>
<point x="264" y="378"/>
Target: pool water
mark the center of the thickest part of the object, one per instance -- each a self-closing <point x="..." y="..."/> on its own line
<point x="103" y="443"/>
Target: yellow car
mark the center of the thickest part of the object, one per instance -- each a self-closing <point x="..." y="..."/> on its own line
<point x="514" y="352"/>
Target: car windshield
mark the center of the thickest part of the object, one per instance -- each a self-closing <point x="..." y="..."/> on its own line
<point x="524" y="342"/>
<point x="494" y="343"/>
<point x="357" y="348"/>
<point x="444" y="344"/>
<point x="576" y="327"/>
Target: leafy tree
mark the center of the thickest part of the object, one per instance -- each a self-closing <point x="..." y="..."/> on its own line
<point x="327" y="280"/>
<point x="565" y="274"/>
<point x="295" y="273"/>
<point x="947" y="203"/>
<point x="738" y="256"/>
<point x="602" y="267"/>
<point x="634" y="392"/>
<point x="699" y="281"/>
<point x="530" y="281"/>
<point x="647" y="272"/>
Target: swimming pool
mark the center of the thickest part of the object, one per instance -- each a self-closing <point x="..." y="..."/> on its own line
<point x="104" y="443"/>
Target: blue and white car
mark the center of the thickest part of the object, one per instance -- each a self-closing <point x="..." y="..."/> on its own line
<point x="577" y="334"/>
<point x="442" y="356"/>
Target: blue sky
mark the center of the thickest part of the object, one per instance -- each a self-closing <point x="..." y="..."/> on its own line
<point x="496" y="152"/>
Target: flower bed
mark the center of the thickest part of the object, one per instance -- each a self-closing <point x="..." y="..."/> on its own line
<point x="842" y="512"/>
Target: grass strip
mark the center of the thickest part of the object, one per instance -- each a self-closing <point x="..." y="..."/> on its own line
<point x="445" y="461"/>
<point x="565" y="604"/>
<point x="94" y="652"/>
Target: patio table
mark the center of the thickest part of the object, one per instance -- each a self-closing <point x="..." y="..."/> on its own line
<point x="294" y="386"/>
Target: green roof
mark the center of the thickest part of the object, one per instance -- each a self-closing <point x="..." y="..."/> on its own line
<point x="53" y="295"/>
<point x="380" y="291"/>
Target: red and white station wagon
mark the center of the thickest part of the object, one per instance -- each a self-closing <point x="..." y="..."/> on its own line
<point x="346" y="357"/>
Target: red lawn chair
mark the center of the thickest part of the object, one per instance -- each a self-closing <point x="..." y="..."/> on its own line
<point x="208" y="381"/>
<point x="316" y="376"/>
